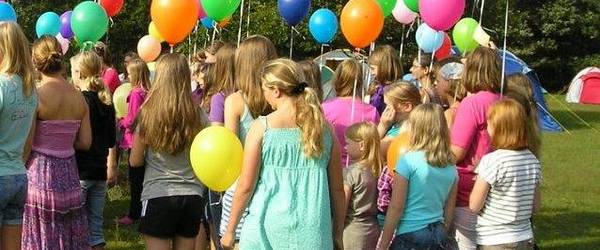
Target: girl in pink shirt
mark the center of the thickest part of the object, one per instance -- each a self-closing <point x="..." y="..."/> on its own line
<point x="110" y="76"/>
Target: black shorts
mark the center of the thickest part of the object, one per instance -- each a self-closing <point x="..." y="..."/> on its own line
<point x="167" y="217"/>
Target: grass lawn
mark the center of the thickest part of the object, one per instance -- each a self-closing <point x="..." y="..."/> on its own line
<point x="570" y="216"/>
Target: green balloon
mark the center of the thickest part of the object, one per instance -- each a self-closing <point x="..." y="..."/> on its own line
<point x="218" y="10"/>
<point x="387" y="6"/>
<point x="462" y="34"/>
<point x="89" y="22"/>
<point x="412" y="5"/>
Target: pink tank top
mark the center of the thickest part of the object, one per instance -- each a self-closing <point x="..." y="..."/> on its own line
<point x="56" y="137"/>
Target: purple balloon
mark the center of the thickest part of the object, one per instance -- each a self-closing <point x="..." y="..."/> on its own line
<point x="65" y="27"/>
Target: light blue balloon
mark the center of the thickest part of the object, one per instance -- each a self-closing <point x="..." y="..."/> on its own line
<point x="48" y="24"/>
<point x="323" y="25"/>
<point x="7" y="13"/>
<point x="428" y="39"/>
<point x="208" y="23"/>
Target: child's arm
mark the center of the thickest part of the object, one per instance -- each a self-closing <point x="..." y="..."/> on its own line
<point x="232" y="114"/>
<point x="84" y="135"/>
<point x="450" y="204"/>
<point x="136" y="157"/>
<point x="478" y="195"/>
<point x="537" y="200"/>
<point x="112" y="171"/>
<point x="29" y="141"/>
<point x="395" y="210"/>
<point x="336" y="191"/>
<point x="135" y="103"/>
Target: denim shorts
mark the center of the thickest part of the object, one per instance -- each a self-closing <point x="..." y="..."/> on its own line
<point x="12" y="199"/>
<point x="431" y="237"/>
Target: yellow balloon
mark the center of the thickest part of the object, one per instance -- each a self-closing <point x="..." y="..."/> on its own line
<point x="216" y="157"/>
<point x="154" y="32"/>
<point x="120" y="99"/>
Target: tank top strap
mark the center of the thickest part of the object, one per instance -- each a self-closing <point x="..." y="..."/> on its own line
<point x="263" y="121"/>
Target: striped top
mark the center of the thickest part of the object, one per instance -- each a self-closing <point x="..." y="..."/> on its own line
<point x="513" y="177"/>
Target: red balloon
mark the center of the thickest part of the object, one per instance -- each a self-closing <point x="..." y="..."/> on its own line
<point x="446" y="48"/>
<point x="112" y="7"/>
<point x="201" y="12"/>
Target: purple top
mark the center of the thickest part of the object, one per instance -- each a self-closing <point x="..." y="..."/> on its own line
<point x="217" y="108"/>
<point x="56" y="137"/>
<point x="136" y="98"/>
<point x="377" y="98"/>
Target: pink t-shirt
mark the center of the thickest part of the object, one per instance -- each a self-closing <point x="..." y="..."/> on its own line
<point x="338" y="112"/>
<point x="111" y="80"/>
<point x="469" y="132"/>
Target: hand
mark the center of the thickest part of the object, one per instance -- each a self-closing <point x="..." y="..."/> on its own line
<point x="112" y="174"/>
<point x="338" y="242"/>
<point x="387" y="117"/>
<point x="228" y="241"/>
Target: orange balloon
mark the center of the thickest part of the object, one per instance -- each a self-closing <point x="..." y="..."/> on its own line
<point x="174" y="19"/>
<point x="397" y="148"/>
<point x="361" y="22"/>
<point x="224" y="23"/>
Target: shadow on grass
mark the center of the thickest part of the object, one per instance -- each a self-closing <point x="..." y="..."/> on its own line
<point x="563" y="229"/>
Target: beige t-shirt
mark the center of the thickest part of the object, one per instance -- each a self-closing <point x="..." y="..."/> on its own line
<point x="363" y="203"/>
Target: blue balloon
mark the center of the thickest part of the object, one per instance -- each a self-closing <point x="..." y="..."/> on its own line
<point x="208" y="23"/>
<point x="428" y="39"/>
<point x="48" y="24"/>
<point x="7" y="13"/>
<point x="323" y="25"/>
<point x="293" y="11"/>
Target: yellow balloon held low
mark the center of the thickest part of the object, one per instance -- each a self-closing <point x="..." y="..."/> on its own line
<point x="216" y="157"/>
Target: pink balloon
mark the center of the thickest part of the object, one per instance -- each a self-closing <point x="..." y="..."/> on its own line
<point x="201" y="13"/>
<point x="148" y="48"/>
<point x="64" y="43"/>
<point x="441" y="15"/>
<point x="402" y="13"/>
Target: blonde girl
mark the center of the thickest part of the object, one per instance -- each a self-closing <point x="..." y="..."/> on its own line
<point x="386" y="68"/>
<point x="361" y="230"/>
<point x="424" y="185"/>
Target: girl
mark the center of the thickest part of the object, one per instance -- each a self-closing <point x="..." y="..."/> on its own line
<point x="16" y="84"/>
<point x="54" y="216"/>
<point x="385" y="69"/>
<point x="519" y="88"/>
<point x="219" y="84"/>
<point x="470" y="140"/>
<point x="313" y="76"/>
<point x="449" y="86"/>
<point x="424" y="185"/>
<point x="172" y="196"/>
<point x="243" y="106"/>
<point x="506" y="192"/>
<point x="360" y="186"/>
<point x="128" y="58"/>
<point x="110" y="76"/>
<point x="98" y="165"/>
<point x="338" y="110"/>
<point x="291" y="182"/>
<point x="140" y="79"/>
<point x="423" y="73"/>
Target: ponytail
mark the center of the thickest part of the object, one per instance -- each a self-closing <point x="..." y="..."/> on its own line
<point x="308" y="110"/>
<point x="95" y="84"/>
<point x="90" y="66"/>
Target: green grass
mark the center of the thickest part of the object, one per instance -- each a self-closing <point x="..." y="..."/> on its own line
<point x="570" y="215"/>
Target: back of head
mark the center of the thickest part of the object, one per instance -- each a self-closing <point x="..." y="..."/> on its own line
<point x="16" y="56"/>
<point x="101" y="49"/>
<point x="225" y="69"/>
<point x="400" y="92"/>
<point x="518" y="87"/>
<point x="482" y="71"/>
<point x="139" y="74"/>
<point x="347" y="74"/>
<point x="389" y="68"/>
<point x="451" y="70"/>
<point x="90" y="68"/>
<point x="47" y="55"/>
<point x="366" y="133"/>
<point x="214" y="47"/>
<point x="507" y="121"/>
<point x="169" y="107"/>
<point x="312" y="74"/>
<point x="286" y="76"/>
<point x="429" y="132"/>
<point x="253" y="52"/>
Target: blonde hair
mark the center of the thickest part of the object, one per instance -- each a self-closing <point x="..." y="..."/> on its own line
<point x="249" y="57"/>
<point x="312" y="74"/>
<point x="220" y="76"/>
<point x="47" y="55"/>
<point x="366" y="133"/>
<point x="348" y="72"/>
<point x="90" y="67"/>
<point x="139" y="74"/>
<point x="429" y="132"/>
<point x="507" y="120"/>
<point x="518" y="87"/>
<point x="400" y="92"/>
<point x="169" y="120"/>
<point x="286" y="76"/>
<point x="16" y="57"/>
<point x="482" y="71"/>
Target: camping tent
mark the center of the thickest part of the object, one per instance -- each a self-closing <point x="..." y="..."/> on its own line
<point x="585" y="87"/>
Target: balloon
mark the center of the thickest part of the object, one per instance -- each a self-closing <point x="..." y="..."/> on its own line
<point x="65" y="25"/>
<point x="89" y="22"/>
<point x="397" y="148"/>
<point x="412" y="5"/>
<point x="47" y="24"/>
<point x="361" y="22"/>
<point x="402" y="13"/>
<point x="208" y="23"/>
<point x="148" y="48"/>
<point x="428" y="39"/>
<point x="323" y="25"/>
<point x="441" y="15"/>
<point x="444" y="51"/>
<point x="462" y="34"/>
<point x="174" y="19"/>
<point x="216" y="157"/>
<point x="120" y="99"/>
<point x="154" y="32"/>
<point x="64" y="43"/>
<point x="218" y="10"/>
<point x="201" y="13"/>
<point x="112" y="7"/>
<point x="224" y="23"/>
<point x="387" y="6"/>
<point x="293" y="11"/>
<point x="7" y="13"/>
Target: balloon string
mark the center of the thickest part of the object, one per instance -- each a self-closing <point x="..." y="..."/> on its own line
<point x="196" y="37"/>
<point x="321" y="58"/>
<point x="171" y="48"/>
<point x="401" y="44"/>
<point x="248" y="20"/>
<point x="504" y="51"/>
<point x="291" y="42"/>
<point x="212" y="40"/>
<point x="481" y="11"/>
<point x="419" y="49"/>
<point x="474" y="7"/>
<point x="241" y="21"/>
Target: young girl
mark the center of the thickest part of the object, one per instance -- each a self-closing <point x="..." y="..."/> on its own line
<point x="110" y="76"/>
<point x="312" y="73"/>
<point x="360" y="186"/>
<point x="17" y="88"/>
<point x="140" y="80"/>
<point x="98" y="165"/>
<point x="291" y="171"/>
<point x="422" y="71"/>
<point x="424" y="185"/>
<point x="518" y="87"/>
<point x="172" y="196"/>
<point x="385" y="69"/>
<point x="219" y="84"/>
<point x="506" y="192"/>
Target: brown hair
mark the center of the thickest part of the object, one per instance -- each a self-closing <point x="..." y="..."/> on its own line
<point x="346" y="74"/>
<point x="429" y="132"/>
<point x="456" y="89"/>
<point x="402" y="92"/>
<point x="366" y="133"/>
<point x="286" y="76"/>
<point x="139" y="74"/>
<point x="507" y="120"/>
<point x="220" y="76"/>
<point x="482" y="71"/>
<point x="90" y="67"/>
<point x="424" y="60"/>
<point x="518" y="87"/>
<point x="169" y="120"/>
<point x="312" y="74"/>
<point x="102" y="51"/>
<point x="389" y="68"/>
<point x="249" y="57"/>
<point x="47" y="55"/>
